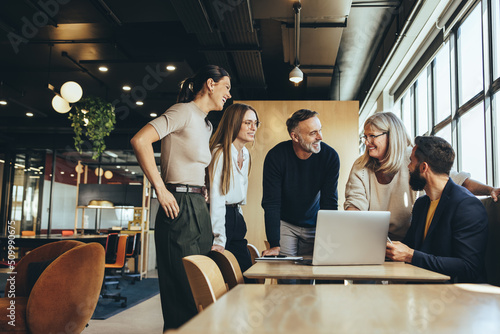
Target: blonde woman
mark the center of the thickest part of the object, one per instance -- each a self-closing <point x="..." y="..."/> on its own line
<point x="229" y="171"/>
<point x="379" y="179"/>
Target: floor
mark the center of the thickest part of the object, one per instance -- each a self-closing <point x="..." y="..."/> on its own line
<point x="142" y="318"/>
<point x="145" y="317"/>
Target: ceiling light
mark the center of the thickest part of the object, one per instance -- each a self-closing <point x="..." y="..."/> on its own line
<point x="3" y="100"/>
<point x="98" y="171"/>
<point x="60" y="105"/>
<point x="103" y="68"/>
<point x="296" y="75"/>
<point x="126" y="88"/>
<point x="71" y="91"/>
<point x="171" y="67"/>
<point x="153" y="114"/>
<point x="29" y="114"/>
<point x="139" y="103"/>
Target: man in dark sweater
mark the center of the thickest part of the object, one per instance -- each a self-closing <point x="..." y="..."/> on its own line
<point x="300" y="177"/>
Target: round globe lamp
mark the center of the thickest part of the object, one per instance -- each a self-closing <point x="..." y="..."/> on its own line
<point x="60" y="105"/>
<point x="71" y="91"/>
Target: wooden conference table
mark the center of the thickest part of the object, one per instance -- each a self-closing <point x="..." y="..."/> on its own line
<point x="392" y="271"/>
<point x="254" y="308"/>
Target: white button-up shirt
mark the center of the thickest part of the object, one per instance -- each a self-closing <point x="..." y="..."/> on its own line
<point x="237" y="193"/>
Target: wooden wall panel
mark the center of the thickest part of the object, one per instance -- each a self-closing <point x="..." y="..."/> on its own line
<point x="340" y="130"/>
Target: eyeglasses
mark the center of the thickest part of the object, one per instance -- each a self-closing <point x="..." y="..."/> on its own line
<point x="250" y="123"/>
<point x="371" y="138"/>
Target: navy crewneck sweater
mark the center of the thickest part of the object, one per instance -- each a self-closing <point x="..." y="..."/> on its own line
<point x="295" y="189"/>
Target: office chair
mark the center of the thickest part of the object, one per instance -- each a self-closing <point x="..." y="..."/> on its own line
<point x="205" y="280"/>
<point x="133" y="251"/>
<point x="115" y="260"/>
<point x="492" y="256"/>
<point x="57" y="285"/>
<point x="229" y="267"/>
<point x="254" y="252"/>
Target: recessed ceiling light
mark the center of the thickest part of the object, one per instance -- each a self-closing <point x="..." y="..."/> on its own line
<point x="103" y="68"/>
<point x="29" y="114"/>
<point x="139" y="103"/>
<point x="126" y="87"/>
<point x="171" y="67"/>
<point x="3" y="102"/>
<point x="153" y="114"/>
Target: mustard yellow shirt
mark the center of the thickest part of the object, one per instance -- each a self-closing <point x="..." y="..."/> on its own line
<point x="430" y="215"/>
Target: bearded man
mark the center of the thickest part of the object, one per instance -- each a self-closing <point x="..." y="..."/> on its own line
<point x="300" y="177"/>
<point x="449" y="225"/>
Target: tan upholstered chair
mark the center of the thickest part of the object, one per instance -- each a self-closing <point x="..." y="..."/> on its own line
<point x="205" y="280"/>
<point x="492" y="259"/>
<point x="229" y="267"/>
<point x="65" y="294"/>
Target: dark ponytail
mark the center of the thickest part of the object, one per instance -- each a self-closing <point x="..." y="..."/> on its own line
<point x="192" y="86"/>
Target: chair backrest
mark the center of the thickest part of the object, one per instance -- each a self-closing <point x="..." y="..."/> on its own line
<point x="111" y="247"/>
<point x="39" y="254"/>
<point x="120" y="253"/>
<point x="133" y="244"/>
<point x="205" y="280"/>
<point x="492" y="258"/>
<point x="229" y="267"/>
<point x="254" y="252"/>
<point x="27" y="233"/>
<point x="66" y="293"/>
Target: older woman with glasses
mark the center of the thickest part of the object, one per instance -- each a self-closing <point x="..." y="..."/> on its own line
<point x="229" y="171"/>
<point x="379" y="178"/>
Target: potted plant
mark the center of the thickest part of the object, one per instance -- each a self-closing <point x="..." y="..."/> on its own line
<point x="93" y="118"/>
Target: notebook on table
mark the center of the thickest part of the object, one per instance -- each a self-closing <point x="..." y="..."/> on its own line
<point x="350" y="237"/>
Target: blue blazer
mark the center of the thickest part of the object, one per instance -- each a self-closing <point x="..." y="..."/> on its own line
<point x="456" y="240"/>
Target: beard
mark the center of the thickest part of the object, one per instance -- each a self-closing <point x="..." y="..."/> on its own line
<point x="417" y="182"/>
<point x="309" y="147"/>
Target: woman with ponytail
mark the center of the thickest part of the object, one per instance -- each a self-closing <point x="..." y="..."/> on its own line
<point x="229" y="171"/>
<point x="183" y="222"/>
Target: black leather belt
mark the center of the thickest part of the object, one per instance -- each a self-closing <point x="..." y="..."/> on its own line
<point x="185" y="188"/>
<point x="235" y="205"/>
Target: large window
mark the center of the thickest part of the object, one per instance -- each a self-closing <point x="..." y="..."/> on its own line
<point x="422" y="108"/>
<point x="442" y="90"/>
<point x="495" y="13"/>
<point x="470" y="57"/>
<point x="473" y="150"/>
<point x="430" y="101"/>
<point x="406" y="112"/>
<point x="496" y="137"/>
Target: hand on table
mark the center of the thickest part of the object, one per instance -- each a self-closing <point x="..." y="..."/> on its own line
<point x="398" y="251"/>
<point x="271" y="251"/>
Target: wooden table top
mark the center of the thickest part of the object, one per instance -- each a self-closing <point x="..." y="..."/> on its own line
<point x="331" y="308"/>
<point x="392" y="271"/>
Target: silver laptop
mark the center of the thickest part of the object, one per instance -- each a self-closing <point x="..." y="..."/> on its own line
<point x="350" y="237"/>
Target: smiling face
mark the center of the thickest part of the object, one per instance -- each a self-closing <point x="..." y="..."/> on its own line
<point x="308" y="135"/>
<point x="377" y="147"/>
<point x="248" y="128"/>
<point x="220" y="92"/>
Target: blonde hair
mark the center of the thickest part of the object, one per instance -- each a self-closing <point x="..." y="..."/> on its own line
<point x="227" y="131"/>
<point x="398" y="141"/>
